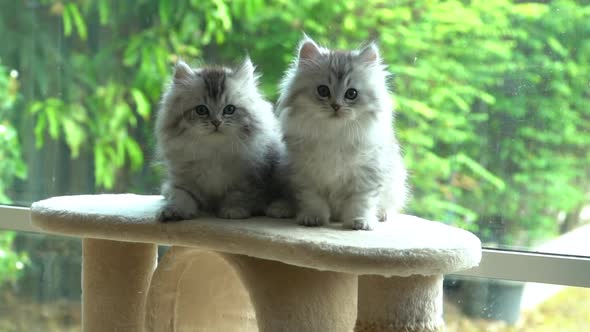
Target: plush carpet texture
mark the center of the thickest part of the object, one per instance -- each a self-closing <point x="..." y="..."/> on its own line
<point x="402" y="246"/>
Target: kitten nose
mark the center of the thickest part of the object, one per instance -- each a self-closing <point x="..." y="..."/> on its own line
<point x="216" y="122"/>
<point x="336" y="107"/>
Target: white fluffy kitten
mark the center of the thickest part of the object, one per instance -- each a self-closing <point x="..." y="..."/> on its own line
<point x="220" y="143"/>
<point x="344" y="162"/>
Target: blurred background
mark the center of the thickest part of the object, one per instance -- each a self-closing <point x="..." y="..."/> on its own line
<point x="492" y="100"/>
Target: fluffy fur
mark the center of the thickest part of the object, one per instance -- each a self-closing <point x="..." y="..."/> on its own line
<point x="344" y="162"/>
<point x="220" y="143"/>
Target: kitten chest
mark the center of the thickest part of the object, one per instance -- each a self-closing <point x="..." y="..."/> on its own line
<point x="216" y="174"/>
<point x="331" y="169"/>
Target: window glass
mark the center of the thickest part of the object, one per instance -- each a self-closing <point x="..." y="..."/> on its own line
<point x="40" y="282"/>
<point x="491" y="97"/>
<point x="479" y="304"/>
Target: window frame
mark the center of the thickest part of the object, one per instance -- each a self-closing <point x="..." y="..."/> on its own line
<point x="495" y="263"/>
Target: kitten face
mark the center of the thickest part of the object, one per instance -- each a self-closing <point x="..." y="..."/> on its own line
<point x="211" y="103"/>
<point x="336" y="85"/>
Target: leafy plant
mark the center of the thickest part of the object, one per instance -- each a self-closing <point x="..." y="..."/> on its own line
<point x="11" y="263"/>
<point x="11" y="164"/>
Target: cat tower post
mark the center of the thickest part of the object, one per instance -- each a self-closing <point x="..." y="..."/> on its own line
<point x="258" y="274"/>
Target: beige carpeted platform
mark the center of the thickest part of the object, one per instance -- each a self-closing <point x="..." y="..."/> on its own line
<point x="257" y="274"/>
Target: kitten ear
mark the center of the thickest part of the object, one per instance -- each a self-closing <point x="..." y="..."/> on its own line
<point x="245" y="73"/>
<point x="308" y="49"/>
<point x="182" y="71"/>
<point x="245" y="70"/>
<point x="370" y="53"/>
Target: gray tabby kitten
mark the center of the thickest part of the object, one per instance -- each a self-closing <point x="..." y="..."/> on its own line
<point x="344" y="162"/>
<point x="220" y="143"/>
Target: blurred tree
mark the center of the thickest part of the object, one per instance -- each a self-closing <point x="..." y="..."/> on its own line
<point x="536" y="137"/>
<point x="11" y="164"/>
<point x="11" y="263"/>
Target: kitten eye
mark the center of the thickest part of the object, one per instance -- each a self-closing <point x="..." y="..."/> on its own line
<point x="229" y="109"/>
<point x="351" y="94"/>
<point x="202" y="110"/>
<point x="323" y="91"/>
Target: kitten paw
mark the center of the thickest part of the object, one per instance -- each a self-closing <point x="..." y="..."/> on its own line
<point x="233" y="212"/>
<point x="280" y="209"/>
<point x="170" y="213"/>
<point x="382" y="215"/>
<point x="363" y="224"/>
<point x="310" y="220"/>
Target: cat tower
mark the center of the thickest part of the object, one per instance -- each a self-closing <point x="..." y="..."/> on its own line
<point x="257" y="274"/>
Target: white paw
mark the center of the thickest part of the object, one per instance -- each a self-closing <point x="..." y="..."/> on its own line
<point x="311" y="220"/>
<point x="280" y="209"/>
<point x="382" y="215"/>
<point x="233" y="212"/>
<point x="365" y="224"/>
<point x="172" y="213"/>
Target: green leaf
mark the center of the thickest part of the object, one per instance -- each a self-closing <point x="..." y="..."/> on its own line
<point x="479" y="170"/>
<point x="67" y="22"/>
<point x="349" y="23"/>
<point x="78" y="20"/>
<point x="35" y="107"/>
<point x="118" y="155"/>
<point x="99" y="164"/>
<point x="40" y="126"/>
<point x="20" y="170"/>
<point x="131" y="53"/>
<point x="104" y="160"/>
<point x="419" y="107"/>
<point x="165" y="11"/>
<point x="103" y="11"/>
<point x="222" y="14"/>
<point x="135" y="153"/>
<point x="53" y="120"/>
<point x="143" y="106"/>
<point x="464" y="212"/>
<point x="557" y="47"/>
<point x="75" y="136"/>
<point x="531" y="10"/>
<point x="460" y="102"/>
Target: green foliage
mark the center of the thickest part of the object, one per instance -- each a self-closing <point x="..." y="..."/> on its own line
<point x="537" y="135"/>
<point x="11" y="263"/>
<point x="11" y="164"/>
<point x="491" y="95"/>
